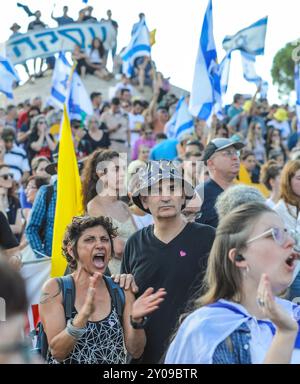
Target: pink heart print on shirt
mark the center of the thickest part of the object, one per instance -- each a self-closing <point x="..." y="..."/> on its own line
<point x="182" y="253"/>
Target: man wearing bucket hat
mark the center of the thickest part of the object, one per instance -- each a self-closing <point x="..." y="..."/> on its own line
<point x="171" y="253"/>
<point x="221" y="156"/>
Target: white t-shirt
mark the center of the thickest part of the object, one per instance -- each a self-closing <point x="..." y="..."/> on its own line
<point x="135" y="122"/>
<point x="95" y="57"/>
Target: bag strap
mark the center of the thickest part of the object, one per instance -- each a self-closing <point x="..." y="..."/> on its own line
<point x="117" y="295"/>
<point x="67" y="286"/>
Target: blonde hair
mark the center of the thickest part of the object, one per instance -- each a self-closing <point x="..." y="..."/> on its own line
<point x="286" y="192"/>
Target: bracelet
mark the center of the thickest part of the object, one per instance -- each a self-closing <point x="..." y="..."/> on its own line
<point x="74" y="332"/>
<point x="136" y="325"/>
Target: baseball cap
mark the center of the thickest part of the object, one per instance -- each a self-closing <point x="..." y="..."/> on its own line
<point x="155" y="172"/>
<point x="218" y="145"/>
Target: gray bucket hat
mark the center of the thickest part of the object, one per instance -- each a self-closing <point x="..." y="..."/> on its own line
<point x="155" y="172"/>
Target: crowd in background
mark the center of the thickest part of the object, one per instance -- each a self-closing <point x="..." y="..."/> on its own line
<point x="255" y="146"/>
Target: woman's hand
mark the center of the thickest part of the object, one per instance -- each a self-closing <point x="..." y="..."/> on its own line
<point x="273" y="311"/>
<point x="89" y="305"/>
<point x="147" y="303"/>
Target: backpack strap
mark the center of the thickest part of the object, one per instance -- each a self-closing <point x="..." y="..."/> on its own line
<point x="67" y="286"/>
<point x="117" y="295"/>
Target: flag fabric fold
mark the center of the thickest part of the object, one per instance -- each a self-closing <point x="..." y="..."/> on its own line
<point x="181" y="121"/>
<point x="206" y="88"/>
<point x="139" y="46"/>
<point x="69" y="89"/>
<point x="69" y="195"/>
<point x="224" y="71"/>
<point x="250" y="40"/>
<point x="248" y="62"/>
<point x="8" y="76"/>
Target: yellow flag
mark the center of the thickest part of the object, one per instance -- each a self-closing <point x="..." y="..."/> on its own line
<point x="69" y="195"/>
<point x="152" y="37"/>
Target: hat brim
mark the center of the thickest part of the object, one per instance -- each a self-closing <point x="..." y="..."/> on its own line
<point x="51" y="169"/>
<point x="237" y="145"/>
<point x="188" y="190"/>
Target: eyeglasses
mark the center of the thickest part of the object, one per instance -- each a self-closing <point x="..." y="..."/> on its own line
<point x="230" y="153"/>
<point x="280" y="235"/>
<point x="42" y="122"/>
<point x="7" y="176"/>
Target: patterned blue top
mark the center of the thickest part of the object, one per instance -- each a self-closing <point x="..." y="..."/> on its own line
<point x="41" y="218"/>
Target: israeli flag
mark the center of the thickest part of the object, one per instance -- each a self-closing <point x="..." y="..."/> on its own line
<point x="250" y="39"/>
<point x="139" y="46"/>
<point x="60" y="82"/>
<point x="248" y="62"/>
<point x="181" y="121"/>
<point x="74" y="95"/>
<point x="224" y="71"/>
<point x="206" y="89"/>
<point x="297" y="88"/>
<point x="8" y="76"/>
<point x="79" y="102"/>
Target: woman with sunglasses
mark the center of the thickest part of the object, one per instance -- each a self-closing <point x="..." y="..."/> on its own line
<point x="9" y="203"/>
<point x="41" y="142"/>
<point x="239" y="319"/>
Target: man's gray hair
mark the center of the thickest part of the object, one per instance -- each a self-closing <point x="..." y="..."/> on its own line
<point x="236" y="196"/>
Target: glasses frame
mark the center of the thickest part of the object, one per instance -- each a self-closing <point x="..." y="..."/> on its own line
<point x="271" y="232"/>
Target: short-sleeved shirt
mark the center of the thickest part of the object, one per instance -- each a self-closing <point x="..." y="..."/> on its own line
<point x="177" y="266"/>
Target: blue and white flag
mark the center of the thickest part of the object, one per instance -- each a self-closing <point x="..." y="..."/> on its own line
<point x="248" y="62"/>
<point x="224" y="71"/>
<point x="250" y="39"/>
<point x="139" y="46"/>
<point x="181" y="121"/>
<point x="297" y="88"/>
<point x="206" y="89"/>
<point x="74" y="95"/>
<point x="79" y="103"/>
<point x="60" y="81"/>
<point x="8" y="76"/>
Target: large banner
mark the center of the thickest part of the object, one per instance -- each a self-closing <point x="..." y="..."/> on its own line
<point x="46" y="42"/>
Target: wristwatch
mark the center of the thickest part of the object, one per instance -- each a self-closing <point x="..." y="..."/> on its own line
<point x="136" y="325"/>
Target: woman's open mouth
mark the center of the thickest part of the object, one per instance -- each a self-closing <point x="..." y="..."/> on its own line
<point x="98" y="260"/>
<point x="291" y="261"/>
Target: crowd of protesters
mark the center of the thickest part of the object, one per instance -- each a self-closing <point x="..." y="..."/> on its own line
<point x="211" y="216"/>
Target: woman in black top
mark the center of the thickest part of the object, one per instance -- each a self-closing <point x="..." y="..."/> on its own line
<point x="7" y="238"/>
<point x="96" y="137"/>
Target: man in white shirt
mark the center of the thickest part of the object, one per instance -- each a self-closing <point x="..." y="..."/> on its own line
<point x="136" y="120"/>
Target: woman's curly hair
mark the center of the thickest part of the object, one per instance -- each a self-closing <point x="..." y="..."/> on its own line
<point x="89" y="174"/>
<point x="77" y="227"/>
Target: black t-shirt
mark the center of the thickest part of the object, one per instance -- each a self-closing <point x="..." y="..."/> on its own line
<point x="208" y="213"/>
<point x="88" y="145"/>
<point x="7" y="238"/>
<point x="177" y="266"/>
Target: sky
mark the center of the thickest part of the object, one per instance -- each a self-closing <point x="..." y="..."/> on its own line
<point x="178" y="25"/>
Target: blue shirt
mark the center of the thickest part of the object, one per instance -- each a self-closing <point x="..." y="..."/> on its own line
<point x="42" y="217"/>
<point x="63" y="20"/>
<point x="166" y="150"/>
